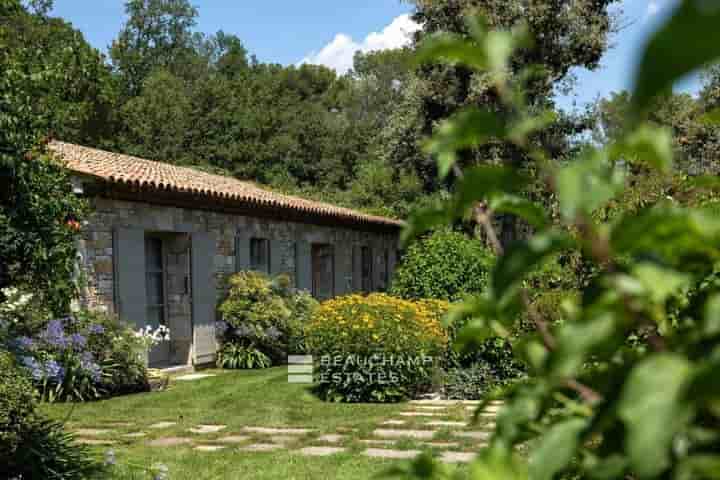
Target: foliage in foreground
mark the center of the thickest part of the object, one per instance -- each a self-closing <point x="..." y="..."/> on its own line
<point x="30" y="445"/>
<point x="376" y="348"/>
<point x="596" y="405"/>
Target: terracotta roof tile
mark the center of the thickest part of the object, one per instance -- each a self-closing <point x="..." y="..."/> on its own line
<point x="129" y="170"/>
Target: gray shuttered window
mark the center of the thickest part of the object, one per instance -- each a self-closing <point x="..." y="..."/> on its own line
<point x="204" y="296"/>
<point x="242" y="252"/>
<point x="393" y="260"/>
<point x="129" y="263"/>
<point x="303" y="265"/>
<point x="357" y="268"/>
<point x="276" y="249"/>
<point x="343" y="269"/>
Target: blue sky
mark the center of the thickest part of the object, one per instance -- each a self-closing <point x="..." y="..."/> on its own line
<point x="328" y="32"/>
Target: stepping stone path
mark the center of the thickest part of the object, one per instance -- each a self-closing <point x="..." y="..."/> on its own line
<point x="331" y="438"/>
<point x="209" y="448"/>
<point x="92" y="432"/>
<point x="283" y="439"/>
<point x="278" y="431"/>
<point x="261" y="447"/>
<point x="441" y="423"/>
<point x="320" y="451"/>
<point x="394" y="422"/>
<point x="233" y="439"/>
<point x="161" y="425"/>
<point x="205" y="429"/>
<point x="94" y="441"/>
<point x="194" y="376"/>
<point x="391" y="433"/>
<point x="378" y="442"/>
<point x="473" y="435"/>
<point x="169" y="442"/>
<point x="420" y="414"/>
<point x="387" y="453"/>
<point x="135" y="435"/>
<point x="440" y="444"/>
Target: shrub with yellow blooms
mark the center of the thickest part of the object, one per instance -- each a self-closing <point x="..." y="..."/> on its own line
<point x="375" y="348"/>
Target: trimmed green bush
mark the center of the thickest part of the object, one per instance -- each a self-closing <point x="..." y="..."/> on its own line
<point x="17" y="405"/>
<point x="445" y="265"/>
<point x="376" y="348"/>
<point x="470" y="383"/>
<point x="266" y="314"/>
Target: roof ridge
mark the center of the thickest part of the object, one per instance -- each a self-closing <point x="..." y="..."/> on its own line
<point x="129" y="169"/>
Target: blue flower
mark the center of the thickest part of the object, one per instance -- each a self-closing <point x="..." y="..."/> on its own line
<point x="24" y="343"/>
<point x="54" y="334"/>
<point x="53" y="371"/>
<point x="88" y="364"/>
<point x="31" y="364"/>
<point x="78" y="341"/>
<point x="96" y="329"/>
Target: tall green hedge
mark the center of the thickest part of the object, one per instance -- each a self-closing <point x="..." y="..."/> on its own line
<point x="445" y="265"/>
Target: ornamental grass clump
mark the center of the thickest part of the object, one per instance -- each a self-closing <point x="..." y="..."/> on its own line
<point x="376" y="348"/>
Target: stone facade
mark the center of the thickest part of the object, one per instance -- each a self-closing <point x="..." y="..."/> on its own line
<point x="96" y="246"/>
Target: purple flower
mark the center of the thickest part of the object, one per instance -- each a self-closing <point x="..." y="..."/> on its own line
<point x="244" y="331"/>
<point x="78" y="341"/>
<point x="31" y="364"/>
<point x="96" y="329"/>
<point x="54" y="334"/>
<point x="220" y="328"/>
<point x="53" y="371"/>
<point x="88" y="364"/>
<point x="25" y="343"/>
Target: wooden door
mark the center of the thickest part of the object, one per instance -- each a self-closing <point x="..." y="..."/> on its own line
<point x="323" y="271"/>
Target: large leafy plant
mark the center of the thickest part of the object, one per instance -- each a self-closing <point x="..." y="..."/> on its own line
<point x="597" y="405"/>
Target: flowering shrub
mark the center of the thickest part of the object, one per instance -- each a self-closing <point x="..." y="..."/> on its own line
<point x="263" y="314"/>
<point x="376" y="348"/>
<point x="86" y="355"/>
<point x="148" y="338"/>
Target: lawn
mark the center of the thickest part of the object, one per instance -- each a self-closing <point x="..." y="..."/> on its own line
<point x="236" y="399"/>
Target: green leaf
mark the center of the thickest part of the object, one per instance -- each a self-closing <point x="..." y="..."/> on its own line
<point x="425" y="219"/>
<point x="533" y="213"/>
<point x="711" y="320"/>
<point x="556" y="450"/>
<point x="659" y="282"/>
<point x="522" y="257"/>
<point x="469" y="128"/>
<point x="651" y="407"/>
<point x="689" y="40"/>
<point x="482" y="182"/>
<point x="576" y="340"/>
<point x="647" y="144"/>
<point x="526" y="126"/>
<point x="587" y="184"/>
<point x="451" y="48"/>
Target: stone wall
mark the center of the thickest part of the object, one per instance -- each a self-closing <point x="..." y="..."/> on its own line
<point x="96" y="246"/>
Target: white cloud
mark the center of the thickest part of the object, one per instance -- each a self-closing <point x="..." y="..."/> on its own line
<point x="338" y="54"/>
<point x="652" y="9"/>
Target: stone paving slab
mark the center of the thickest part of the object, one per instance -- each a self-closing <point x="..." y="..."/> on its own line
<point x="392" y="433"/>
<point x="262" y="447"/>
<point x="283" y="439"/>
<point x="431" y="407"/>
<point x="119" y="424"/>
<point x="233" y="439"/>
<point x="193" y="376"/>
<point x="331" y="438"/>
<point x="420" y="414"/>
<point x="320" y="451"/>
<point x="388" y="453"/>
<point x="394" y="422"/>
<point x="205" y="429"/>
<point x="160" y="425"/>
<point x="209" y="448"/>
<point x="278" y="431"/>
<point x="92" y="432"/>
<point x="135" y="435"/>
<point x="457" y="457"/>
<point x="435" y="402"/>
<point x="93" y="441"/>
<point x="378" y="442"/>
<point x="169" y="442"/>
<point x="439" y="423"/>
<point x="473" y="435"/>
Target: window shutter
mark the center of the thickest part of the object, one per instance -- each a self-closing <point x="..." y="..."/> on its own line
<point x="357" y="268"/>
<point x="242" y="251"/>
<point x="303" y="265"/>
<point x="276" y="251"/>
<point x="392" y="263"/>
<point x="343" y="269"/>
<point x="129" y="263"/>
<point x="204" y="296"/>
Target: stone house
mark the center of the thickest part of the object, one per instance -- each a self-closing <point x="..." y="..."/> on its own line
<point x="161" y="240"/>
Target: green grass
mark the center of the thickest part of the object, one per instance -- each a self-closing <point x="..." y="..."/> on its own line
<point x="236" y="399"/>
